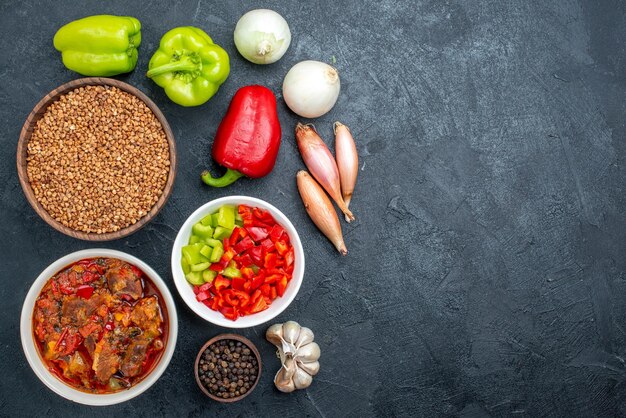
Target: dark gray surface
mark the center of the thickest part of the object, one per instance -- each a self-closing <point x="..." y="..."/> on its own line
<point x="486" y="274"/>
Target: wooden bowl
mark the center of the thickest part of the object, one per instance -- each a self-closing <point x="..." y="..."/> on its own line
<point x="235" y="337"/>
<point x="27" y="131"/>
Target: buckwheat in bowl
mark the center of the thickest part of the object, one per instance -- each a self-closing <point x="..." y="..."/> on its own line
<point x="96" y="159"/>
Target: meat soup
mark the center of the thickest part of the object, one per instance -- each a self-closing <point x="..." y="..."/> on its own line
<point x="100" y="325"/>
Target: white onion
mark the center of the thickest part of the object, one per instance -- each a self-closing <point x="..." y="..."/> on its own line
<point x="262" y="36"/>
<point x="311" y="88"/>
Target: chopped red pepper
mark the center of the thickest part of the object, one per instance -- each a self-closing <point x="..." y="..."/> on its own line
<point x="243" y="260"/>
<point x="236" y="235"/>
<point x="281" y="247"/>
<point x="221" y="282"/>
<point x="281" y="285"/>
<point x="229" y="312"/>
<point x="202" y="296"/>
<point x="270" y="260"/>
<point x="289" y="257"/>
<point x="256" y="253"/>
<point x="276" y="232"/>
<point x="85" y="291"/>
<point x="229" y="297"/>
<point x="89" y="277"/>
<point x="273" y="293"/>
<point x="247" y="272"/>
<point x="61" y="338"/>
<point x="237" y="283"/>
<point x="257" y="306"/>
<point x="243" y="245"/>
<point x="268" y="245"/>
<point x="243" y="297"/>
<point x="257" y="281"/>
<point x="257" y="233"/>
<point x="265" y="290"/>
<point x="205" y="287"/>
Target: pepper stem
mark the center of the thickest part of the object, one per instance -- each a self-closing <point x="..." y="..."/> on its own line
<point x="182" y="65"/>
<point x="229" y="177"/>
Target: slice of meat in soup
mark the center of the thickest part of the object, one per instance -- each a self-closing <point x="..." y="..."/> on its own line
<point x="134" y="357"/>
<point x="147" y="315"/>
<point x="106" y="361"/>
<point x="90" y="344"/>
<point x="77" y="311"/>
<point x="123" y="279"/>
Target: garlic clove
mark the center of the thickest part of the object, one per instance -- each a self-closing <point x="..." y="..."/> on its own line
<point x="306" y="336"/>
<point x="291" y="331"/>
<point x="274" y="334"/>
<point x="284" y="378"/>
<point x="311" y="368"/>
<point x="308" y="353"/>
<point x="302" y="379"/>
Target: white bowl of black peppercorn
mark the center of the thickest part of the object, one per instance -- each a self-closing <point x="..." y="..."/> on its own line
<point x="227" y="368"/>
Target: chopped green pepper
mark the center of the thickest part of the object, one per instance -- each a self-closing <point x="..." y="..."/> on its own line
<point x="189" y="66"/>
<point x="207" y="220"/>
<point x="192" y="254"/>
<point x="231" y="272"/>
<point x="194" y="277"/>
<point x="217" y="254"/>
<point x="202" y="231"/>
<point x="226" y="217"/>
<point x="214" y="243"/>
<point x="185" y="265"/>
<point x="221" y="232"/>
<point x="201" y="266"/>
<point x="209" y="275"/>
<point x="206" y="251"/>
<point x="194" y="239"/>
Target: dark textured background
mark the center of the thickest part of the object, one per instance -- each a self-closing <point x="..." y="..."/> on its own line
<point x="486" y="274"/>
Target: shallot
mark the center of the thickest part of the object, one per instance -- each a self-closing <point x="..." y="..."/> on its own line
<point x="321" y="164"/>
<point x="311" y="88"/>
<point x="320" y="210"/>
<point x="347" y="161"/>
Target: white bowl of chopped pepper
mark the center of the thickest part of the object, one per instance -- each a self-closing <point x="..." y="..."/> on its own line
<point x="240" y="271"/>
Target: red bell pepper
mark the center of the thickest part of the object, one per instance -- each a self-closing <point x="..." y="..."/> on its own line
<point x="248" y="138"/>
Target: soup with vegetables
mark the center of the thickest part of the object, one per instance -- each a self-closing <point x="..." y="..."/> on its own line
<point x="100" y="325"/>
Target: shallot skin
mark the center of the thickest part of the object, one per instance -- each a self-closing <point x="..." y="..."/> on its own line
<point x="347" y="160"/>
<point x="321" y="164"/>
<point x="320" y="210"/>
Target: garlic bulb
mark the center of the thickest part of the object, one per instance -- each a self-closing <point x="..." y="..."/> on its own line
<point x="298" y="355"/>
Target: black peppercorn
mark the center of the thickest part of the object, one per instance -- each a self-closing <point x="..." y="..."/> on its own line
<point x="227" y="369"/>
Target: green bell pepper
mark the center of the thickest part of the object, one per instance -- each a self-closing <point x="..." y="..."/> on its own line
<point x="101" y="45"/>
<point x="189" y="66"/>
